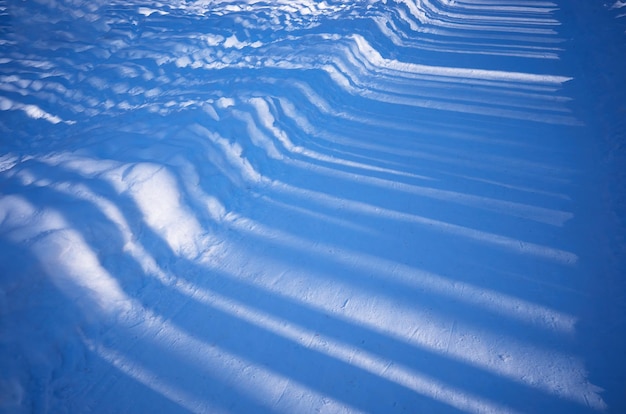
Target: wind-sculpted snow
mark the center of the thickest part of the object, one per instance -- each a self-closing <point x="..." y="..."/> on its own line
<point x="618" y="6"/>
<point x="293" y="206"/>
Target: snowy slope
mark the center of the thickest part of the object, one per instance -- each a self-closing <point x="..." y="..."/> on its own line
<point x="303" y="206"/>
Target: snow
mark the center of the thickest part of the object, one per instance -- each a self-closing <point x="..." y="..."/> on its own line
<point x="235" y="206"/>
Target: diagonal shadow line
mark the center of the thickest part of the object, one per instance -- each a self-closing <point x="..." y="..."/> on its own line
<point x="311" y="359"/>
<point x="421" y="195"/>
<point x="137" y="215"/>
<point x="112" y="244"/>
<point x="474" y="380"/>
<point x="170" y="254"/>
<point x="326" y="234"/>
<point x="44" y="315"/>
<point x="335" y="269"/>
<point x="159" y="381"/>
<point x="420" y="138"/>
<point x="346" y="167"/>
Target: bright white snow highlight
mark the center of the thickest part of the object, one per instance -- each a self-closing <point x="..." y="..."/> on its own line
<point x="377" y="206"/>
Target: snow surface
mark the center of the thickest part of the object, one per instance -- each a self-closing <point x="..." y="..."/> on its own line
<point x="312" y="206"/>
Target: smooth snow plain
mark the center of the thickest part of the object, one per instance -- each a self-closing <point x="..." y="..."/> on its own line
<point x="298" y="206"/>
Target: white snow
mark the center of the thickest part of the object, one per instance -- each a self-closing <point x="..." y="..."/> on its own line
<point x="250" y="206"/>
<point x="33" y="111"/>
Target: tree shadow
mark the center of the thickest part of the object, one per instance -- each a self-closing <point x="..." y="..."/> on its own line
<point x="406" y="250"/>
